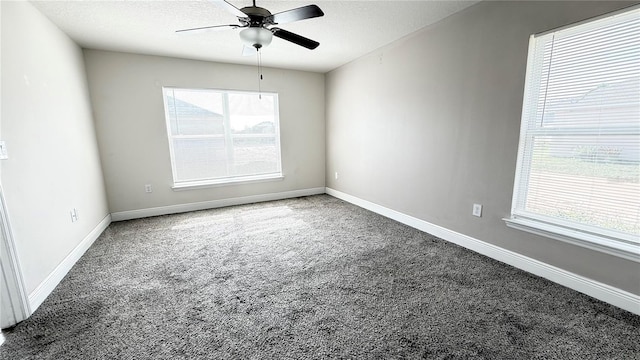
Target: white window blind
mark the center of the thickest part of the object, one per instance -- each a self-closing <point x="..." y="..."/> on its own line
<point x="218" y="137"/>
<point x="578" y="172"/>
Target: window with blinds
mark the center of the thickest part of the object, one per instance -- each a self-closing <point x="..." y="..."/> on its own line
<point x="578" y="171"/>
<point x="218" y="137"/>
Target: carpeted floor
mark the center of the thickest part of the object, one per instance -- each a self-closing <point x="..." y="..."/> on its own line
<point x="307" y="278"/>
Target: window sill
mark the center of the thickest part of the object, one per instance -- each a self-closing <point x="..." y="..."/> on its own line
<point x="193" y="185"/>
<point x="595" y="242"/>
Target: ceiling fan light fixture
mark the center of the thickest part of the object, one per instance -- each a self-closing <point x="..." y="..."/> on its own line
<point x="256" y="37"/>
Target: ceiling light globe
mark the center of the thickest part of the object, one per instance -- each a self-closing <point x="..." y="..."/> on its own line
<point x="256" y="37"/>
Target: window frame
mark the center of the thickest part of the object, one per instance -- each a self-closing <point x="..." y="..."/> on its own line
<point x="179" y="185"/>
<point x="611" y="242"/>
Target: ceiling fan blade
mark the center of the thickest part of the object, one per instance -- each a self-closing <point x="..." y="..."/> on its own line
<point x="301" y="13"/>
<point x="229" y="8"/>
<point x="295" y="38"/>
<point x="207" y="28"/>
<point x="248" y="50"/>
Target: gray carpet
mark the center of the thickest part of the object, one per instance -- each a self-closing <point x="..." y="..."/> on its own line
<point x="307" y="278"/>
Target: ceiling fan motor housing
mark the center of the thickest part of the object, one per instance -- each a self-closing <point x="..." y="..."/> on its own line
<point x="257" y="16"/>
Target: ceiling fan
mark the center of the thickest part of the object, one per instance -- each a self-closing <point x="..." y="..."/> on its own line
<point x="257" y="24"/>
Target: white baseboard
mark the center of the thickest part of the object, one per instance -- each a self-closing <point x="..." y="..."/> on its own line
<point x="1" y="338"/>
<point x="598" y="290"/>
<point x="174" y="209"/>
<point x="37" y="297"/>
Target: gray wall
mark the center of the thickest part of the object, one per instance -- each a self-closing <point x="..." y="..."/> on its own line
<point x="429" y="125"/>
<point x="46" y="121"/>
<point x="126" y="93"/>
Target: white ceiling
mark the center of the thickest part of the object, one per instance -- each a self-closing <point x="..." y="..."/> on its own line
<point x="348" y="30"/>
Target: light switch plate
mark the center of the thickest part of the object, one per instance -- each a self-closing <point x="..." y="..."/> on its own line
<point x="3" y="150"/>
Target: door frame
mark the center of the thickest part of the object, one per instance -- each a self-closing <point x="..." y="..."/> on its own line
<point x="14" y="304"/>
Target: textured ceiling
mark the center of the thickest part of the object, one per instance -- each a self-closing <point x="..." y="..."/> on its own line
<point x="348" y="30"/>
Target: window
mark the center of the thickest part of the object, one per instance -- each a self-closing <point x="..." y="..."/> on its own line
<point x="218" y="137"/>
<point x="578" y="172"/>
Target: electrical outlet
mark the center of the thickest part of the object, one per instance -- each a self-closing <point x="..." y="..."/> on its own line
<point x="148" y="188"/>
<point x="477" y="210"/>
<point x="336" y="175"/>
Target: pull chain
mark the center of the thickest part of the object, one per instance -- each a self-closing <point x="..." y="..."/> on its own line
<point x="259" y="74"/>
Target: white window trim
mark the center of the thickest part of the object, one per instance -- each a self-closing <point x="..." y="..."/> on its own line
<point x="623" y="249"/>
<point x="203" y="184"/>
<point x="620" y="245"/>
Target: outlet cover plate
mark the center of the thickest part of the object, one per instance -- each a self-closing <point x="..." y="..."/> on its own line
<point x="477" y="210"/>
